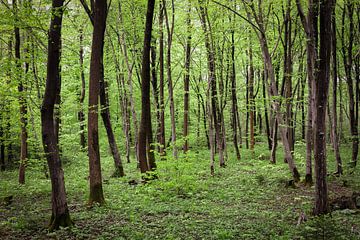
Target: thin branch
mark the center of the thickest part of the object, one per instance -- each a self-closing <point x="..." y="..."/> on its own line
<point x="238" y="14"/>
<point x="88" y="11"/>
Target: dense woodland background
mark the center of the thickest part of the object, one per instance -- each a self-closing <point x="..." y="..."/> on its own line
<point x="233" y="119"/>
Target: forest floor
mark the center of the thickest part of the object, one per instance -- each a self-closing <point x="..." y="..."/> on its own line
<point x="246" y="200"/>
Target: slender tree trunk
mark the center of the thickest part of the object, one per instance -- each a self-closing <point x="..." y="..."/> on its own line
<point x="105" y="115"/>
<point x="155" y="91"/>
<point x="288" y="74"/>
<point x="251" y="101"/>
<point x="170" y="31"/>
<point x="60" y="216"/>
<point x="2" y="143"/>
<point x="334" y="103"/>
<point x="187" y="80"/>
<point x="348" y="64"/>
<point x="273" y="91"/>
<point x="96" y="74"/>
<point x="22" y="99"/>
<point x="81" y="114"/>
<point x="234" y="114"/>
<point x="216" y="115"/>
<point x="268" y="131"/>
<point x="321" y="88"/>
<point x="161" y="132"/>
<point x="310" y="27"/>
<point x="145" y="90"/>
<point x="129" y="66"/>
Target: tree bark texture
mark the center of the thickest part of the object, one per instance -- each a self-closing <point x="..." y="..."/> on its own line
<point x="96" y="74"/>
<point x="145" y="90"/>
<point x="60" y="214"/>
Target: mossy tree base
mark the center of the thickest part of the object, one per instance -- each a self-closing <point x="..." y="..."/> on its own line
<point x="62" y="220"/>
<point x="96" y="195"/>
<point x="119" y="172"/>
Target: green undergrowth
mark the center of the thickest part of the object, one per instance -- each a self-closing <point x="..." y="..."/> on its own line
<point x="246" y="200"/>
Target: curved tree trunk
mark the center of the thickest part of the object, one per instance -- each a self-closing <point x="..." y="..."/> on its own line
<point x="60" y="213"/>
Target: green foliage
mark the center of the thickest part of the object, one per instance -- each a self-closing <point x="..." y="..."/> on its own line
<point x="242" y="201"/>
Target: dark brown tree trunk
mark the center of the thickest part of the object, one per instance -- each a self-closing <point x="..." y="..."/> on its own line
<point x="334" y="133"/>
<point x="187" y="80"/>
<point x="81" y="115"/>
<point x="287" y="74"/>
<point x="145" y="91"/>
<point x="105" y="115"/>
<point x="234" y="106"/>
<point x="161" y="132"/>
<point x="267" y="124"/>
<point x="96" y="74"/>
<point x="22" y="99"/>
<point x="321" y="96"/>
<point x="60" y="216"/>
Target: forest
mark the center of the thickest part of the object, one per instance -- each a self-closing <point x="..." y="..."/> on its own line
<point x="170" y="119"/>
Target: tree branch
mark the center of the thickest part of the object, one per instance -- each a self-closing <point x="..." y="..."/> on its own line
<point x="238" y="14"/>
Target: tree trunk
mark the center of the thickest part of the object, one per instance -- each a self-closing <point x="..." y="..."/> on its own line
<point x="348" y="64"/>
<point x="216" y="115"/>
<point x="251" y="101"/>
<point x="287" y="75"/>
<point x="60" y="214"/>
<point x="310" y="27"/>
<point x="81" y="115"/>
<point x="268" y="132"/>
<point x="170" y="31"/>
<point x="334" y="133"/>
<point x="187" y="80"/>
<point x="105" y="115"/>
<point x="22" y="99"/>
<point x="96" y="74"/>
<point x="234" y="105"/>
<point x="161" y="132"/>
<point x="145" y="90"/>
<point x="273" y="90"/>
<point x="321" y="88"/>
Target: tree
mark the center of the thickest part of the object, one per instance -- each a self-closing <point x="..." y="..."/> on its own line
<point x="187" y="78"/>
<point x="170" y="32"/>
<point x="104" y="99"/>
<point x="60" y="216"/>
<point x="22" y="98"/>
<point x="145" y="123"/>
<point x="321" y="97"/>
<point x="347" y="53"/>
<point x="96" y="74"/>
<point x="310" y="26"/>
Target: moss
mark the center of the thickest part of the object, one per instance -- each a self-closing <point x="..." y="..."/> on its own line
<point x="119" y="172"/>
<point x="96" y="195"/>
<point x="62" y="220"/>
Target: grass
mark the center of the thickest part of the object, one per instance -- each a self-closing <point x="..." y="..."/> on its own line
<point x="246" y="200"/>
